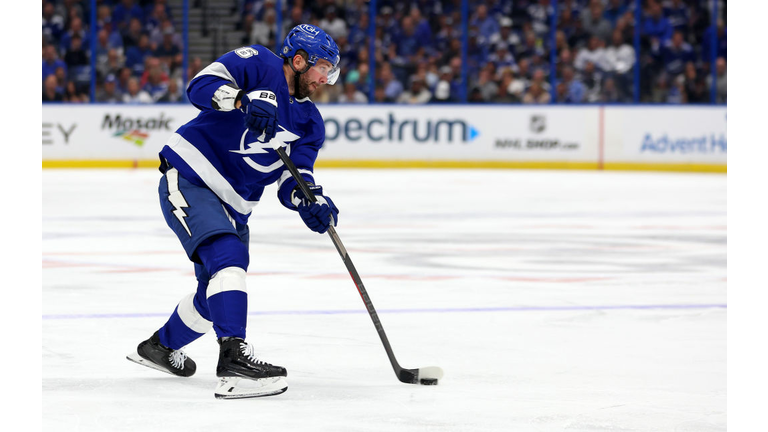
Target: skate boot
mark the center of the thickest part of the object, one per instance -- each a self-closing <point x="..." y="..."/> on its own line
<point x="153" y="354"/>
<point x="242" y="375"/>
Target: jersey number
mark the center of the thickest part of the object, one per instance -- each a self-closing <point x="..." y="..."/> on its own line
<point x="246" y="52"/>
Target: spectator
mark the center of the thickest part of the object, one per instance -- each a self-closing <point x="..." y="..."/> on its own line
<point x="655" y="26"/>
<point x="592" y="78"/>
<point x="126" y="11"/>
<point x="660" y="91"/>
<point x="675" y="54"/>
<point x="501" y="57"/>
<point x="610" y="93"/>
<point x="392" y="87"/>
<point x="264" y="33"/>
<point x="721" y="81"/>
<point x="594" y="23"/>
<point x="422" y="30"/>
<point x="51" y="92"/>
<point x="73" y="94"/>
<point x="487" y="87"/>
<point x="76" y="56"/>
<point x="515" y="85"/>
<point x="157" y="36"/>
<point x="408" y="44"/>
<point x="132" y="34"/>
<point x="536" y="95"/>
<point x="76" y="28"/>
<point x="135" y="94"/>
<point x="593" y="53"/>
<point x="352" y="95"/>
<point x="175" y="93"/>
<point x="615" y="10"/>
<point x="111" y="65"/>
<point x="51" y="61"/>
<point x="332" y="24"/>
<point x="694" y="85"/>
<point x="573" y="90"/>
<point x="123" y="77"/>
<point x="620" y="61"/>
<point x="540" y="79"/>
<point x="504" y="95"/>
<point x="539" y="14"/>
<point x="506" y="34"/>
<point x="154" y="81"/>
<point x="678" y="15"/>
<point x="443" y="88"/>
<point x="53" y="23"/>
<point x="134" y="57"/>
<point x="416" y="94"/>
<point x="167" y="51"/>
<point x="154" y="19"/>
<point x="108" y="93"/>
<point x="486" y="24"/>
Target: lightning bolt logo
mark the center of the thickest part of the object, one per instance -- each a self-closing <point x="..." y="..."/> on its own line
<point x="176" y="198"/>
<point x="258" y="147"/>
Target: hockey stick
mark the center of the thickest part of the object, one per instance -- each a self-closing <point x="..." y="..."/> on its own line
<point x="426" y="375"/>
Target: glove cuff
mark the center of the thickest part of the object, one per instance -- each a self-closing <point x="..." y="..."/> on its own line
<point x="263" y="96"/>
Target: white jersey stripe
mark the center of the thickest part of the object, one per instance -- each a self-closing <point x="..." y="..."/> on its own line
<point x="216" y="69"/>
<point x="208" y="173"/>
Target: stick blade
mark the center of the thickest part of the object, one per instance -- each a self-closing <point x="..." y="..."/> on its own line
<point x="426" y="375"/>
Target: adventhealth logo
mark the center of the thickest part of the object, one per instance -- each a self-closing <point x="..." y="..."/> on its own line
<point x="390" y="128"/>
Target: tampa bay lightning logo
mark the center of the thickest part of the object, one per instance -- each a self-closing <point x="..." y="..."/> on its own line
<point x="257" y="148"/>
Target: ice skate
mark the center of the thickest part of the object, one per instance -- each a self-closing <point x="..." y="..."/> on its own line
<point x="242" y="375"/>
<point x="153" y="354"/>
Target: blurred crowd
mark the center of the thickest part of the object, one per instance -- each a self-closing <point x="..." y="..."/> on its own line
<point x="513" y="53"/>
<point x="138" y="52"/>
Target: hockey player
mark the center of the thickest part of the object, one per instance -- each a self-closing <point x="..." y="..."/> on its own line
<point x="215" y="169"/>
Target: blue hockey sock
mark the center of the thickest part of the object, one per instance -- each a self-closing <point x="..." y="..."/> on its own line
<point x="188" y="322"/>
<point x="228" y="302"/>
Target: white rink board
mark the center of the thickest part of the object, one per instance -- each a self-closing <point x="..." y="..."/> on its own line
<point x="461" y="133"/>
<point x="110" y="132"/>
<point x="666" y="134"/>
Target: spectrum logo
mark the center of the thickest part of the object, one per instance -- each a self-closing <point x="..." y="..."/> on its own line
<point x="135" y="136"/>
<point x="392" y="129"/>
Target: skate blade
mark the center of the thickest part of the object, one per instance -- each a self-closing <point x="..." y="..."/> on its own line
<point x="239" y="388"/>
<point x="136" y="358"/>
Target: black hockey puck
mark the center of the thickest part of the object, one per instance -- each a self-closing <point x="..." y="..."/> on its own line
<point x="428" y="381"/>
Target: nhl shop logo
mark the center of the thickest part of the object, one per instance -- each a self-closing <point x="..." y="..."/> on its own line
<point x="538" y="123"/>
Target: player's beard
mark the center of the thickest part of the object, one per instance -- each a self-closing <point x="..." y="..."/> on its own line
<point x="301" y="85"/>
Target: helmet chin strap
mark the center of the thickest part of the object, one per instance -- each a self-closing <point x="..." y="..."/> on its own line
<point x="293" y="68"/>
<point x="297" y="74"/>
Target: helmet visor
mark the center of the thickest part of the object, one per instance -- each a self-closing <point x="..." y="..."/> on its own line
<point x="328" y="71"/>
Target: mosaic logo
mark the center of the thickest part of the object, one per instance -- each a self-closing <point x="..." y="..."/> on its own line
<point x="135" y="136"/>
<point x="135" y="129"/>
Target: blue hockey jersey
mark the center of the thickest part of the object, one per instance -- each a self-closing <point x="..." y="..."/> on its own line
<point x="217" y="151"/>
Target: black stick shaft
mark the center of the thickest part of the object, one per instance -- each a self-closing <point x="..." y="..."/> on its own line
<point x="348" y="263"/>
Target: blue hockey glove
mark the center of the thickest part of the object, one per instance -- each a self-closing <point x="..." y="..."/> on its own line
<point x="260" y="108"/>
<point x="319" y="215"/>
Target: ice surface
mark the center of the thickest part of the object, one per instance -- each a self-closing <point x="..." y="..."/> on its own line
<point x="553" y="300"/>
